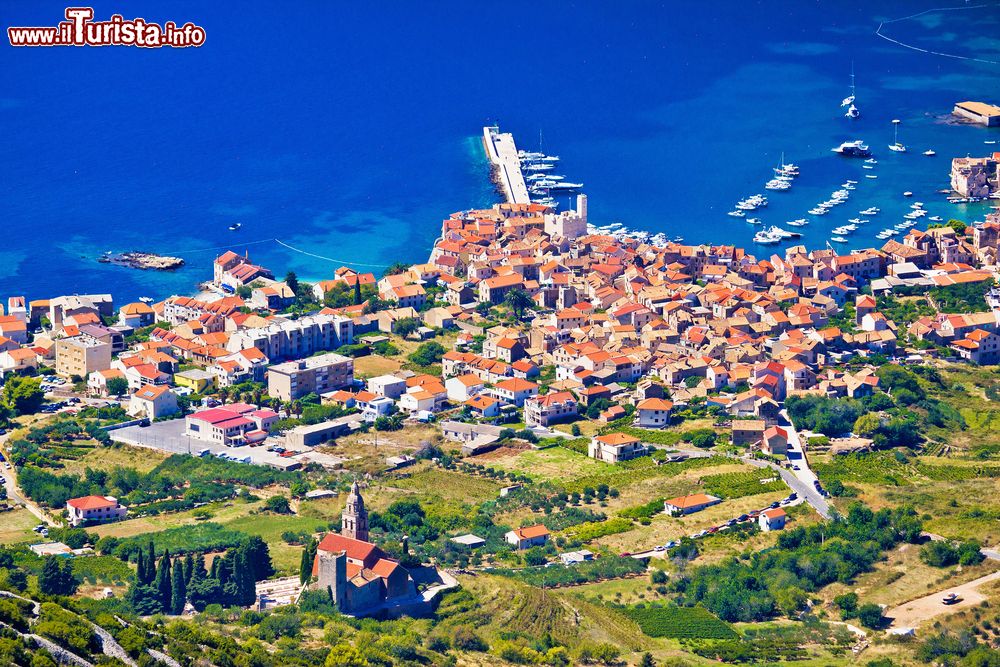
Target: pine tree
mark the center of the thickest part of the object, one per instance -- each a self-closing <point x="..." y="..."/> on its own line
<point x="178" y="593"/>
<point x="163" y="582"/>
<point x="50" y="580"/>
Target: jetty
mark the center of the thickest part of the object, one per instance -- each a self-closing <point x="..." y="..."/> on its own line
<point x="506" y="166"/>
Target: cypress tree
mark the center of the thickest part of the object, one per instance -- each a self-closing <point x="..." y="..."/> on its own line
<point x="214" y="572"/>
<point x="178" y="593"/>
<point x="306" y="565"/>
<point x="199" y="567"/>
<point x="243" y="572"/>
<point x="150" y="563"/>
<point x="140" y="567"/>
<point x="163" y="580"/>
<point x="357" y="290"/>
<point x="188" y="568"/>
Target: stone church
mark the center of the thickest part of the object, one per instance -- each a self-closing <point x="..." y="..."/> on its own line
<point x="359" y="575"/>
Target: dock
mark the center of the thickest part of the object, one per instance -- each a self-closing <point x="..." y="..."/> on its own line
<point x="502" y="154"/>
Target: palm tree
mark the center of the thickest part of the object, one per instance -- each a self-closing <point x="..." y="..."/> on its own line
<point x="518" y="301"/>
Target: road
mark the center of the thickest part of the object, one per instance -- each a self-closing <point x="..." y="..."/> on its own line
<point x="802" y="480"/>
<point x="911" y="614"/>
<point x="15" y="493"/>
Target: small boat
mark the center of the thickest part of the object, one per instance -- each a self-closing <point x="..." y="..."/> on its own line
<point x="930" y="152"/>
<point x="867" y="166"/>
<point x="838" y="239"/>
<point x="737" y="214"/>
<point x="754" y="221"/>
<point x="935" y="218"/>
<point x="146" y="299"/>
<point x="870" y="176"/>
<point x="871" y="160"/>
<point x="871" y="210"/>
<point x="907" y="194"/>
<point x="235" y="226"/>
<point x="990" y="141"/>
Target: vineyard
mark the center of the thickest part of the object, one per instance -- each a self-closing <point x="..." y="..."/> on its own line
<point x="585" y="532"/>
<point x="739" y="484"/>
<point x="680" y="622"/>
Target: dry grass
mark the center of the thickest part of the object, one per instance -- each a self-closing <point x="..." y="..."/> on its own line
<point x="106" y="458"/>
<point x="903" y="577"/>
<point x="16" y="525"/>
<point x="375" y="365"/>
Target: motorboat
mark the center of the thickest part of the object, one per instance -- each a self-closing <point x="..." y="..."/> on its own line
<point x="800" y="222"/>
<point x="871" y="210"/>
<point x="737" y="214"/>
<point x="754" y="221"/>
<point x="146" y="299"/>
<point x="838" y="239"/>
<point x="935" y="218"/>
<point x="907" y="194"/>
<point x="871" y="160"/>
<point x="867" y="166"/>
<point x="930" y="152"/>
<point x="856" y="148"/>
<point x="870" y="176"/>
<point x="235" y="226"/>
<point x="765" y="237"/>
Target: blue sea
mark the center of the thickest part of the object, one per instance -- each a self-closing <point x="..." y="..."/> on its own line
<point x="350" y="130"/>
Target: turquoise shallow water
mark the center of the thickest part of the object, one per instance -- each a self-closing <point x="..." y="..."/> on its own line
<point x="350" y="132"/>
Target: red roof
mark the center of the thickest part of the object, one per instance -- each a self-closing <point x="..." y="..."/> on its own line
<point x="91" y="503"/>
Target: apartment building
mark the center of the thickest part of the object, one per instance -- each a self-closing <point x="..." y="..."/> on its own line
<point x="294" y="339"/>
<point x="319" y="374"/>
<point x="80" y="355"/>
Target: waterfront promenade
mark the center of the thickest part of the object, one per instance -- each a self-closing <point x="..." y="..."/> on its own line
<point x="502" y="153"/>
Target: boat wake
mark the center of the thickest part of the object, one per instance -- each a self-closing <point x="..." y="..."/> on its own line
<point x="881" y="25"/>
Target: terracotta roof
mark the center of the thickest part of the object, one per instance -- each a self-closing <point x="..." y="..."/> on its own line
<point x="91" y="502"/>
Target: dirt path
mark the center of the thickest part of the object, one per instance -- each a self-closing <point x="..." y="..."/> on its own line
<point x="911" y="614"/>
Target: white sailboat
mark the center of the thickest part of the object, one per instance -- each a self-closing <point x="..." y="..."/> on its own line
<point x="895" y="145"/>
<point x="852" y="110"/>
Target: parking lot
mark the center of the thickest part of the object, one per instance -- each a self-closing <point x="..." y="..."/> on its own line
<point x="168" y="436"/>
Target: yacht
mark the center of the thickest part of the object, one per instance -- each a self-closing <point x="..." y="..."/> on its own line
<point x="838" y="239"/>
<point x="856" y="221"/>
<point x="871" y="210"/>
<point x="775" y="184"/>
<point x="146" y="299"/>
<point x="895" y="145"/>
<point x="783" y="233"/>
<point x="765" y="237"/>
<point x="818" y="211"/>
<point x="856" y="148"/>
<point x="870" y="176"/>
<point x="930" y="152"/>
<point x="907" y="194"/>
<point x="871" y="160"/>
<point x="539" y="166"/>
<point x="235" y="226"/>
<point x="754" y="221"/>
<point x="935" y="218"/>
<point x="737" y="213"/>
<point x="566" y="186"/>
<point x="801" y="222"/>
<point x="852" y="109"/>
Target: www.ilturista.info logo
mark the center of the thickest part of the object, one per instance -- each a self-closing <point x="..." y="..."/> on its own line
<point x="79" y="29"/>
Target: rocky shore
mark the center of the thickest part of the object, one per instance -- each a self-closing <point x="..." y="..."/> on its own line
<point x="142" y="260"/>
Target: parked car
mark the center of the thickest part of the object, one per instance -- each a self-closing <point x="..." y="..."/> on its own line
<point x="743" y="517"/>
<point x="951" y="598"/>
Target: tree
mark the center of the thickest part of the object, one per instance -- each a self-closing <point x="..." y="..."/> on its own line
<point x="870" y="616"/>
<point x="117" y="386"/>
<point x="428" y="353"/>
<point x="23" y="395"/>
<point x="164" y="581"/>
<point x="178" y="590"/>
<point x="647" y="660"/>
<point x="345" y="655"/>
<point x="406" y="326"/>
<point x="957" y="225"/>
<point x="306" y="563"/>
<point x="518" y="301"/>
<point x="292" y="281"/>
<point x="396" y="268"/>
<point x="278" y="505"/>
<point x="57" y="577"/>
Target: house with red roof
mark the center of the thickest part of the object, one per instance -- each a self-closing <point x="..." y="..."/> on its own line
<point x="152" y="402"/>
<point x="94" y="509"/>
